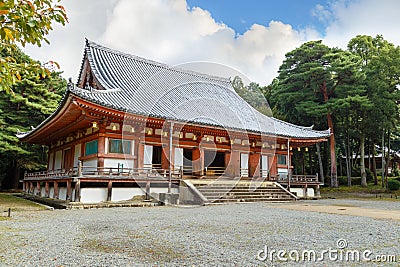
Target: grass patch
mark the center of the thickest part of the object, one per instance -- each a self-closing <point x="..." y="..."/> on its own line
<point x="16" y="203"/>
<point x="359" y="192"/>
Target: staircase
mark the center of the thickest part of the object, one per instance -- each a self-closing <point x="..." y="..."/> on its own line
<point x="223" y="191"/>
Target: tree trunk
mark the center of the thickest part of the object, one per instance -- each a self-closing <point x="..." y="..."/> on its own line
<point x="17" y="172"/>
<point x="348" y="169"/>
<point x="374" y="164"/>
<point x="387" y="162"/>
<point x="383" y="158"/>
<point x="321" y="168"/>
<point x="310" y="165"/>
<point x="362" y="162"/>
<point x="334" y="180"/>
<point x="327" y="158"/>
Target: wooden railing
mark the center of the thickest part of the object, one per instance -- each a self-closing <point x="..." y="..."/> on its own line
<point x="151" y="172"/>
<point x="304" y="179"/>
<point x="214" y="171"/>
<point x="103" y="172"/>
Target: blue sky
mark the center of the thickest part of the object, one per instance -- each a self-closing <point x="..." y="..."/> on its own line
<point x="251" y="36"/>
<point x="241" y="15"/>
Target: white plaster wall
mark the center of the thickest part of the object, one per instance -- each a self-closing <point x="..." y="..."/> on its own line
<point x="51" y="192"/>
<point x="264" y="165"/>
<point x="148" y="155"/>
<point x="125" y="193"/>
<point x="43" y="192"/>
<point x="310" y="192"/>
<point x="77" y="154"/>
<point x="244" y="164"/>
<point x="51" y="157"/>
<point x="62" y="193"/>
<point x="93" y="195"/>
<point x="113" y="163"/>
<point x="58" y="160"/>
<point x="90" y="163"/>
<point x="178" y="158"/>
<point x="298" y="191"/>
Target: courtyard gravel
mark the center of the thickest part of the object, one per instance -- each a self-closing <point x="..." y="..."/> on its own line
<point x="215" y="235"/>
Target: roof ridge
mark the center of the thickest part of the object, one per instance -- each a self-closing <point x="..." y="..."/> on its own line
<point x="155" y="63"/>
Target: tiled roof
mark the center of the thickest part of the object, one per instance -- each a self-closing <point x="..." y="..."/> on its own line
<point x="140" y="86"/>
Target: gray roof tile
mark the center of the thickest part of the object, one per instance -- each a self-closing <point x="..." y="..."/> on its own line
<point x="140" y="86"/>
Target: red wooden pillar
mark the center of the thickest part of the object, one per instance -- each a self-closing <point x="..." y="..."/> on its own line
<point x="69" y="190"/>
<point x="101" y="148"/>
<point x="56" y="190"/>
<point x="273" y="163"/>
<point x="227" y="159"/>
<point x="46" y="189"/>
<point x="165" y="160"/>
<point x="198" y="162"/>
<point x="233" y="166"/>
<point x="254" y="165"/>
<point x="140" y="155"/>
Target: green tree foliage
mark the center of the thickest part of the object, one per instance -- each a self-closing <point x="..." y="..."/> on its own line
<point x="34" y="99"/>
<point x="252" y="94"/>
<point x="354" y="92"/>
<point x="25" y="22"/>
<point x="381" y="65"/>
<point x="314" y="82"/>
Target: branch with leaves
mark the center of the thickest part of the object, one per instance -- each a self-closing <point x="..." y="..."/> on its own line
<point x="25" y="22"/>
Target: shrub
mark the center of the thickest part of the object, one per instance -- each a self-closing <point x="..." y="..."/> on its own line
<point x="393" y="185"/>
<point x="354" y="180"/>
<point x="356" y="172"/>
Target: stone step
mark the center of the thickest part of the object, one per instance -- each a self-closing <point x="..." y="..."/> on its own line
<point x="239" y="190"/>
<point x="233" y="200"/>
<point x="247" y="196"/>
<point x="242" y="192"/>
<point x="232" y="186"/>
<point x="232" y="193"/>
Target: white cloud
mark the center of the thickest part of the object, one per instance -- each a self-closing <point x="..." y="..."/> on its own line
<point x="169" y="32"/>
<point x="369" y="17"/>
<point x="86" y="19"/>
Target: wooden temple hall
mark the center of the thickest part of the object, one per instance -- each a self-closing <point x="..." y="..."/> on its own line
<point x="131" y="127"/>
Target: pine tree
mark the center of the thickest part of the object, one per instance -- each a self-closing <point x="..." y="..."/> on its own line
<point x="34" y="98"/>
<point x="314" y="82"/>
<point x="381" y="65"/>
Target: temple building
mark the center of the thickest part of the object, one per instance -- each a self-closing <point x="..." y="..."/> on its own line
<point x="131" y="126"/>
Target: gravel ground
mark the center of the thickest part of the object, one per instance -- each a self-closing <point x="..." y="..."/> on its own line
<point x="216" y="235"/>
